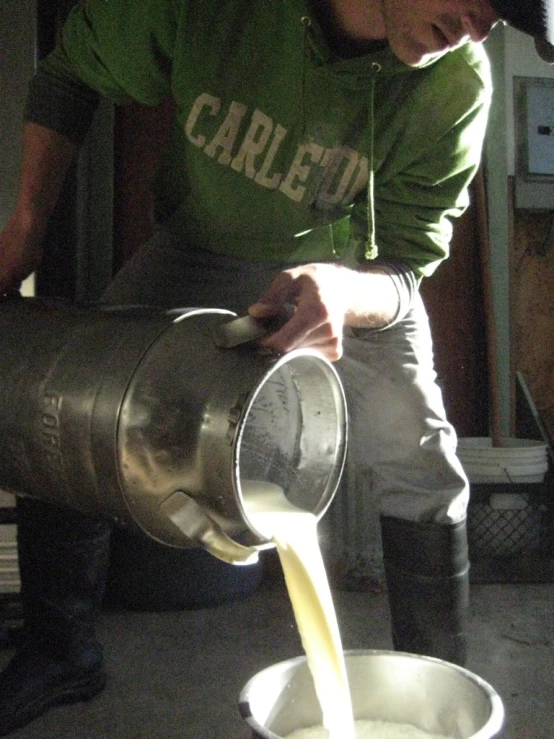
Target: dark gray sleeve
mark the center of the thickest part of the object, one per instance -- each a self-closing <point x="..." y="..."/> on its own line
<point x="63" y="105"/>
<point x="405" y="280"/>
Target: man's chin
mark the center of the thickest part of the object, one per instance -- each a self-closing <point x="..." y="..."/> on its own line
<point x="416" y="57"/>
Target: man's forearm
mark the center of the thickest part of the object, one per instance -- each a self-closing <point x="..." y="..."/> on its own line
<point x="373" y="300"/>
<point x="46" y="159"/>
<point x="329" y="296"/>
<point x="380" y="294"/>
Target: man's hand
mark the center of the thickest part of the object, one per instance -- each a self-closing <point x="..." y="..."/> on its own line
<point x="20" y="254"/>
<point x="318" y="295"/>
<point x="326" y="297"/>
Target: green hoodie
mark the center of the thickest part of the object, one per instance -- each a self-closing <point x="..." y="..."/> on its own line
<point x="282" y="151"/>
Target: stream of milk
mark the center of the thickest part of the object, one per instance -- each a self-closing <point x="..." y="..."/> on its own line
<point x="295" y="535"/>
<point x="294" y="532"/>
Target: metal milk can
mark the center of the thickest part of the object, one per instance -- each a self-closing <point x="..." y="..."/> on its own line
<point x="148" y="417"/>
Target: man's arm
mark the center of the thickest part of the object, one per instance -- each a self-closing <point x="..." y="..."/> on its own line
<point x="327" y="297"/>
<point x="46" y="158"/>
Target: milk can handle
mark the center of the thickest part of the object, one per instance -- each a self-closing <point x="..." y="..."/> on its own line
<point x="247" y="329"/>
<point x="199" y="527"/>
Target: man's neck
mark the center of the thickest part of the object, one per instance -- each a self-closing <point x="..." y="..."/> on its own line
<point x="352" y="27"/>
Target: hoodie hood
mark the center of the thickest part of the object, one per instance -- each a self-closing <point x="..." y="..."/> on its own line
<point x="360" y="74"/>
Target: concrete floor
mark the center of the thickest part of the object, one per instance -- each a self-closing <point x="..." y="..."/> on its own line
<point x="177" y="674"/>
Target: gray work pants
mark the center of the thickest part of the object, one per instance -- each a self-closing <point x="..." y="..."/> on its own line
<point x="402" y="451"/>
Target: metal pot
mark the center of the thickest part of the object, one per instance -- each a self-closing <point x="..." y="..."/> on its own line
<point x="431" y="694"/>
<point x="144" y="416"/>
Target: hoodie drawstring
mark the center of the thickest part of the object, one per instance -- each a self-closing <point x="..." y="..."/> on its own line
<point x="306" y="23"/>
<point x="371" y="245"/>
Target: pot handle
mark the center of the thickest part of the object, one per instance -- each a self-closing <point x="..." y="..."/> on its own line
<point x="247" y="329"/>
<point x="199" y="527"/>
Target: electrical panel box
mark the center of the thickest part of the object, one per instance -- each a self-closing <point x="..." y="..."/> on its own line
<point x="534" y="112"/>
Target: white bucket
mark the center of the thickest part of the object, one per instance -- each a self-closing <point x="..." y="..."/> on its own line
<point x="516" y="461"/>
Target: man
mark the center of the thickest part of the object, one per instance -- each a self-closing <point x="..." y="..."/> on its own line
<point x="320" y="149"/>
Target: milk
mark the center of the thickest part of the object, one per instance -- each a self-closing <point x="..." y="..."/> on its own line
<point x="294" y="532"/>
<point x="371" y="730"/>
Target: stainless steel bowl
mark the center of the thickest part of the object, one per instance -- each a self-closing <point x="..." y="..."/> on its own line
<point x="431" y="694"/>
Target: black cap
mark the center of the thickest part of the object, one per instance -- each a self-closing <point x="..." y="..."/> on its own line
<point x="534" y="17"/>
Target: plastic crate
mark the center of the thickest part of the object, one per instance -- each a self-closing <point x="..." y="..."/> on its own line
<point x="511" y="532"/>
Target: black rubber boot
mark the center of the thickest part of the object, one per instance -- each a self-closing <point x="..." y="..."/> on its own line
<point x="63" y="560"/>
<point x="427" y="573"/>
